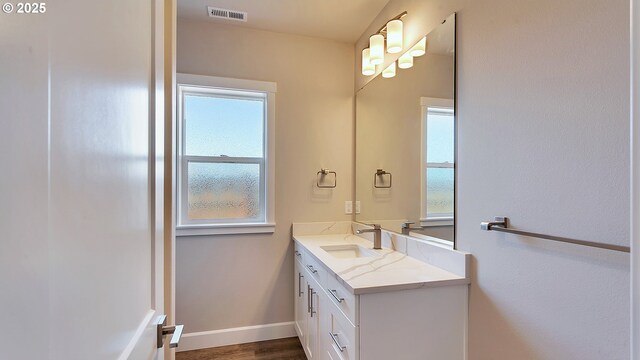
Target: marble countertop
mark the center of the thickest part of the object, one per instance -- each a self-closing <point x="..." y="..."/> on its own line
<point x="389" y="271"/>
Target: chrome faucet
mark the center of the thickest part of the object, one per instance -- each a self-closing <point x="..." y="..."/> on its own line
<point x="377" y="235"/>
<point x="406" y="228"/>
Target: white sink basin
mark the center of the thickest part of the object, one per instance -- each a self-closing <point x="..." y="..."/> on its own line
<point x="348" y="251"/>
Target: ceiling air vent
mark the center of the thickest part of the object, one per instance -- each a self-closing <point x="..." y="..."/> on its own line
<point x="227" y="14"/>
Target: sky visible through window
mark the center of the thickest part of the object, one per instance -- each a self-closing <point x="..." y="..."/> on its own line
<point x="439" y="137"/>
<point x="217" y="126"/>
<point x="440" y="149"/>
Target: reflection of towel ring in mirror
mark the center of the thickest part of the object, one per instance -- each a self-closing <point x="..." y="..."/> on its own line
<point x="321" y="174"/>
<point x="380" y="174"/>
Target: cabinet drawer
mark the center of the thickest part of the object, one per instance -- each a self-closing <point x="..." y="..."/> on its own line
<point x="343" y="299"/>
<point x="341" y="337"/>
<point x="298" y="252"/>
<point x="333" y="354"/>
<point x="316" y="270"/>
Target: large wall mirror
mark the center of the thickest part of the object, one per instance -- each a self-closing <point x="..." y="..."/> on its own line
<point x="405" y="143"/>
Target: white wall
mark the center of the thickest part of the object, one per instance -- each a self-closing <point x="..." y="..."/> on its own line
<point x="232" y="281"/>
<point x="543" y="137"/>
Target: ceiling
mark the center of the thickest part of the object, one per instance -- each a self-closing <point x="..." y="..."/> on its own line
<point x="342" y="20"/>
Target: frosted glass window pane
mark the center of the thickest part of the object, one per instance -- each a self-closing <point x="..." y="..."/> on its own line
<point x="439" y="137"/>
<point x="439" y="191"/>
<point x="223" y="191"/>
<point x="217" y="126"/>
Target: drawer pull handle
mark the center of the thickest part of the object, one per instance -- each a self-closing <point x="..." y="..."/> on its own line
<point x="298" y="253"/>
<point x="334" y="337"/>
<point x="313" y="271"/>
<point x="334" y="293"/>
<point x="312" y="310"/>
<point x="300" y="292"/>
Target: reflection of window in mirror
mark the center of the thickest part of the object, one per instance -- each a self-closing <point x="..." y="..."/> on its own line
<point x="437" y="162"/>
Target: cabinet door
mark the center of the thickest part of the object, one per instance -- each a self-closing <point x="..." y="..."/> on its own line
<point x="300" y="301"/>
<point x="323" y="303"/>
<point x="313" y="320"/>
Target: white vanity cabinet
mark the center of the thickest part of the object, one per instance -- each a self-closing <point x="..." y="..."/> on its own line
<point x="310" y="302"/>
<point x="333" y="323"/>
<point x="324" y="330"/>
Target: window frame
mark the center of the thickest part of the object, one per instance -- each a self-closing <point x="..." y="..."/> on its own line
<point x="438" y="219"/>
<point x="231" y="88"/>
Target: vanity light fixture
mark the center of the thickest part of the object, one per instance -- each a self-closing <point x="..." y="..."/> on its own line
<point x="405" y="61"/>
<point x="390" y="71"/>
<point x="420" y="48"/>
<point x="391" y="32"/>
<point x="368" y="68"/>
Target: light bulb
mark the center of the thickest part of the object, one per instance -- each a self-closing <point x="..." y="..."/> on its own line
<point x="390" y="71"/>
<point x="419" y="48"/>
<point x="376" y="52"/>
<point x="405" y="61"/>
<point x="368" y="68"/>
<point x="394" y="36"/>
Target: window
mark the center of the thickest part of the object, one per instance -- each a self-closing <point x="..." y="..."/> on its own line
<point x="438" y="162"/>
<point x="225" y="155"/>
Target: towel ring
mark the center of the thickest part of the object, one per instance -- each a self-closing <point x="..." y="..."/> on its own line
<point x="380" y="174"/>
<point x="323" y="173"/>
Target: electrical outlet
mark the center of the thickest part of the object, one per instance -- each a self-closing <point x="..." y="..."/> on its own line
<point x="358" y="207"/>
<point x="348" y="207"/>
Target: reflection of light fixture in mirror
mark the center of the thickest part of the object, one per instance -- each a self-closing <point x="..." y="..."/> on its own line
<point x="376" y="52"/>
<point x="394" y="36"/>
<point x="390" y="71"/>
<point x="368" y="68"/>
<point x="419" y="49"/>
<point x="405" y="61"/>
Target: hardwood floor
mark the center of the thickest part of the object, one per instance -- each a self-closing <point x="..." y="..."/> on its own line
<point x="281" y="349"/>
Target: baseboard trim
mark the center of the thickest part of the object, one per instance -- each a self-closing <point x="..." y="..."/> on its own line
<point x="234" y="336"/>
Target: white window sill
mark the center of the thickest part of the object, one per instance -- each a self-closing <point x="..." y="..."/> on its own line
<point x="225" y="229"/>
<point x="436" y="221"/>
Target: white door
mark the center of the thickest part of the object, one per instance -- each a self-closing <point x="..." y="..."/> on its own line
<point x="80" y="200"/>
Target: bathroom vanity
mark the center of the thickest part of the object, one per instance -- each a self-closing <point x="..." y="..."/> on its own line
<point x="353" y="302"/>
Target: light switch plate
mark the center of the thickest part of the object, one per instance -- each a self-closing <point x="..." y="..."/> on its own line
<point x="358" y="207"/>
<point x="348" y="207"/>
